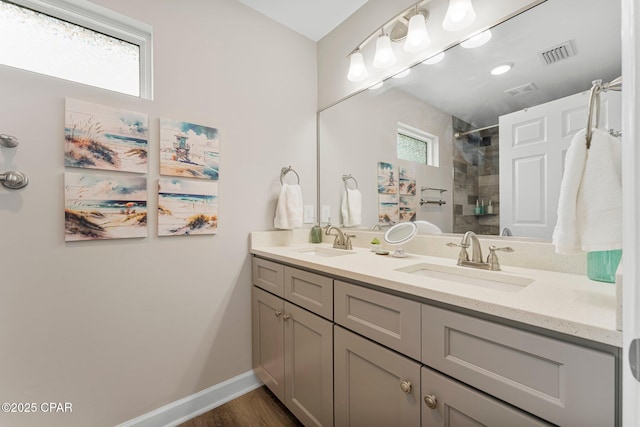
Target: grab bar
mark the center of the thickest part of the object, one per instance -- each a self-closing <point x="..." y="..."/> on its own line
<point x="14" y="180"/>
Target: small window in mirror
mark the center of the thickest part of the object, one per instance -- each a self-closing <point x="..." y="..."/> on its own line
<point x="417" y="146"/>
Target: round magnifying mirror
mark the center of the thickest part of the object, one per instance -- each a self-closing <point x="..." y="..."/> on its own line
<point x="400" y="234"/>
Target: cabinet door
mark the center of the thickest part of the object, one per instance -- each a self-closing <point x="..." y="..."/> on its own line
<point x="448" y="403"/>
<point x="308" y="366"/>
<point x="268" y="275"/>
<point x="374" y="386"/>
<point x="268" y="340"/>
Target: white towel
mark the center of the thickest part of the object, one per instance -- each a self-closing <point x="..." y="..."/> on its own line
<point x="351" y="208"/>
<point x="289" y="208"/>
<point x="590" y="205"/>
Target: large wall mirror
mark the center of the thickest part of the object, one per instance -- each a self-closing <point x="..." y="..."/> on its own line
<point x="556" y="49"/>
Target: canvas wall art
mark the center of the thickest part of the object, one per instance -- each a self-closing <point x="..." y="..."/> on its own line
<point x="407" y="208"/>
<point x="104" y="206"/>
<point x="407" y="182"/>
<point x="189" y="150"/>
<point x="388" y="212"/>
<point x="187" y="207"/>
<point x="387" y="178"/>
<point x="101" y="137"/>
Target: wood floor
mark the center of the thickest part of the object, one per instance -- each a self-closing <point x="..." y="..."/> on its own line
<point x="258" y="408"/>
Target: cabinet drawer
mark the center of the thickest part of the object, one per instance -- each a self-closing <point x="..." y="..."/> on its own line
<point x="457" y="405"/>
<point x="308" y="290"/>
<point x="268" y="275"/>
<point x="387" y="319"/>
<point x="563" y="383"/>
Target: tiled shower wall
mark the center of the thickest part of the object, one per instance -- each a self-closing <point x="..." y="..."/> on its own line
<point x="476" y="178"/>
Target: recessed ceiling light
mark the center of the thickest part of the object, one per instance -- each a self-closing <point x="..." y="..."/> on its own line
<point x="477" y="40"/>
<point x="376" y="86"/>
<point x="434" y="59"/>
<point x="501" y="69"/>
<point x="402" y="74"/>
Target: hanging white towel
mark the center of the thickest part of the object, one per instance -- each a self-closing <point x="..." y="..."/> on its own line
<point x="351" y="208"/>
<point x="590" y="205"/>
<point x="289" y="208"/>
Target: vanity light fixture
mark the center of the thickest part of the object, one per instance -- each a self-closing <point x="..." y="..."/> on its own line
<point x="402" y="74"/>
<point x="501" y="69"/>
<point x="460" y="15"/>
<point x="417" y="36"/>
<point x="434" y="59"/>
<point x="384" y="57"/>
<point x="477" y="40"/>
<point x="357" y="69"/>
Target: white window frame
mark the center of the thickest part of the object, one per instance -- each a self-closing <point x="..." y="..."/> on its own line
<point x="105" y="21"/>
<point x="432" y="142"/>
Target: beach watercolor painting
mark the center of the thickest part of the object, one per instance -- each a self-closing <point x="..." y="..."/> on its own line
<point x="104" y="206"/>
<point x="187" y="207"/>
<point x="388" y="212"/>
<point x="407" y="182"/>
<point x="387" y="178"/>
<point x="102" y="137"/>
<point x="189" y="150"/>
<point x="407" y="208"/>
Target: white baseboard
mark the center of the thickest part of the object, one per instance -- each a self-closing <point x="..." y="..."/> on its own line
<point x="198" y="403"/>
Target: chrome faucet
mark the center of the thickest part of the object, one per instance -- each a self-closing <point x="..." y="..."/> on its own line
<point x="342" y="240"/>
<point x="471" y="239"/>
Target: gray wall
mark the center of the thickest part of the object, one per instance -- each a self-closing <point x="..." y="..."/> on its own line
<point x="117" y="327"/>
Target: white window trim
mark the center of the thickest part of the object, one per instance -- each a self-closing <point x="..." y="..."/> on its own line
<point x="103" y="20"/>
<point x="431" y="140"/>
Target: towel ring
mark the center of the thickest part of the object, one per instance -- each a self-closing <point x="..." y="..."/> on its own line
<point x="594" y="100"/>
<point x="285" y="171"/>
<point x="346" y="178"/>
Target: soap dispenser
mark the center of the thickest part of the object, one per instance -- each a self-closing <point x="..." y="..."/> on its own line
<point x="316" y="233"/>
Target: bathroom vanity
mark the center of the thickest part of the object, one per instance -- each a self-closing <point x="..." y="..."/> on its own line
<point x="351" y="338"/>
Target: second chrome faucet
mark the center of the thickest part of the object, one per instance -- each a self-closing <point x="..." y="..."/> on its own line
<point x="342" y="240"/>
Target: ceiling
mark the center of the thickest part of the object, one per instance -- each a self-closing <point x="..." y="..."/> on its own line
<point x="311" y="18"/>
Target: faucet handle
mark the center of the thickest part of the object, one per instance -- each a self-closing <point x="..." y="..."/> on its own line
<point x="347" y="240"/>
<point x="463" y="255"/>
<point x="492" y="258"/>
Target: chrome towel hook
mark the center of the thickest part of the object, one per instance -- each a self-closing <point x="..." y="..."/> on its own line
<point x="14" y="180"/>
<point x="8" y="140"/>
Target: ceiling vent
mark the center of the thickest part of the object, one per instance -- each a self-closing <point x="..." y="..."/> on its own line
<point x="558" y="53"/>
<point x="519" y="90"/>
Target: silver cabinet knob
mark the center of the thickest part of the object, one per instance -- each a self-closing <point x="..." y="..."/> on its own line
<point x="278" y="313"/>
<point x="286" y="317"/>
<point x="431" y="401"/>
<point x="405" y="386"/>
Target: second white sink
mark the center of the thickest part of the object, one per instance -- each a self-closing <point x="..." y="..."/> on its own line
<point x="495" y="280"/>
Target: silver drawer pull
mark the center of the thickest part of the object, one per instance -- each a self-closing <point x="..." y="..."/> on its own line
<point x="286" y="317"/>
<point x="405" y="386"/>
<point x="431" y="401"/>
<point x="278" y="313"/>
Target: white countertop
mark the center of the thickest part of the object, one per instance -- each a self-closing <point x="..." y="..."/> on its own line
<point x="567" y="303"/>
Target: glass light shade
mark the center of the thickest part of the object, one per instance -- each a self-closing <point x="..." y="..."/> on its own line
<point x="434" y="59"/>
<point x="357" y="69"/>
<point x="460" y="15"/>
<point x="477" y="40"/>
<point x="384" y="57"/>
<point x="417" y="36"/>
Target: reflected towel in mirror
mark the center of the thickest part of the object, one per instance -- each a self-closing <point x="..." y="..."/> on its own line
<point x="590" y="205"/>
<point x="351" y="208"/>
<point x="289" y="207"/>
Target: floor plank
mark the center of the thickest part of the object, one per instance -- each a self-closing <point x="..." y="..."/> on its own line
<point x="258" y="408"/>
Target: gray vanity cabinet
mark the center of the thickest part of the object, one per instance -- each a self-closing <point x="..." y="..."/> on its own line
<point x="448" y="403"/>
<point x="293" y="351"/>
<point x="564" y="383"/>
<point x="374" y="386"/>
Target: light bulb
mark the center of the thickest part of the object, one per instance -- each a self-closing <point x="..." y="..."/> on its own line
<point x="417" y="35"/>
<point x="384" y="56"/>
<point x="460" y="15"/>
<point x="357" y="69"/>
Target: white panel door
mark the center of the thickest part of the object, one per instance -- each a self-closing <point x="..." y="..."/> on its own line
<point x="533" y="146"/>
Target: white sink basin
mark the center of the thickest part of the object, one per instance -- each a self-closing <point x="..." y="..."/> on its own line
<point x="487" y="279"/>
<point x="324" y="252"/>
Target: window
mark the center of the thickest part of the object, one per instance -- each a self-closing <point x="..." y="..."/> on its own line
<point x="78" y="41"/>
<point x="416" y="145"/>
